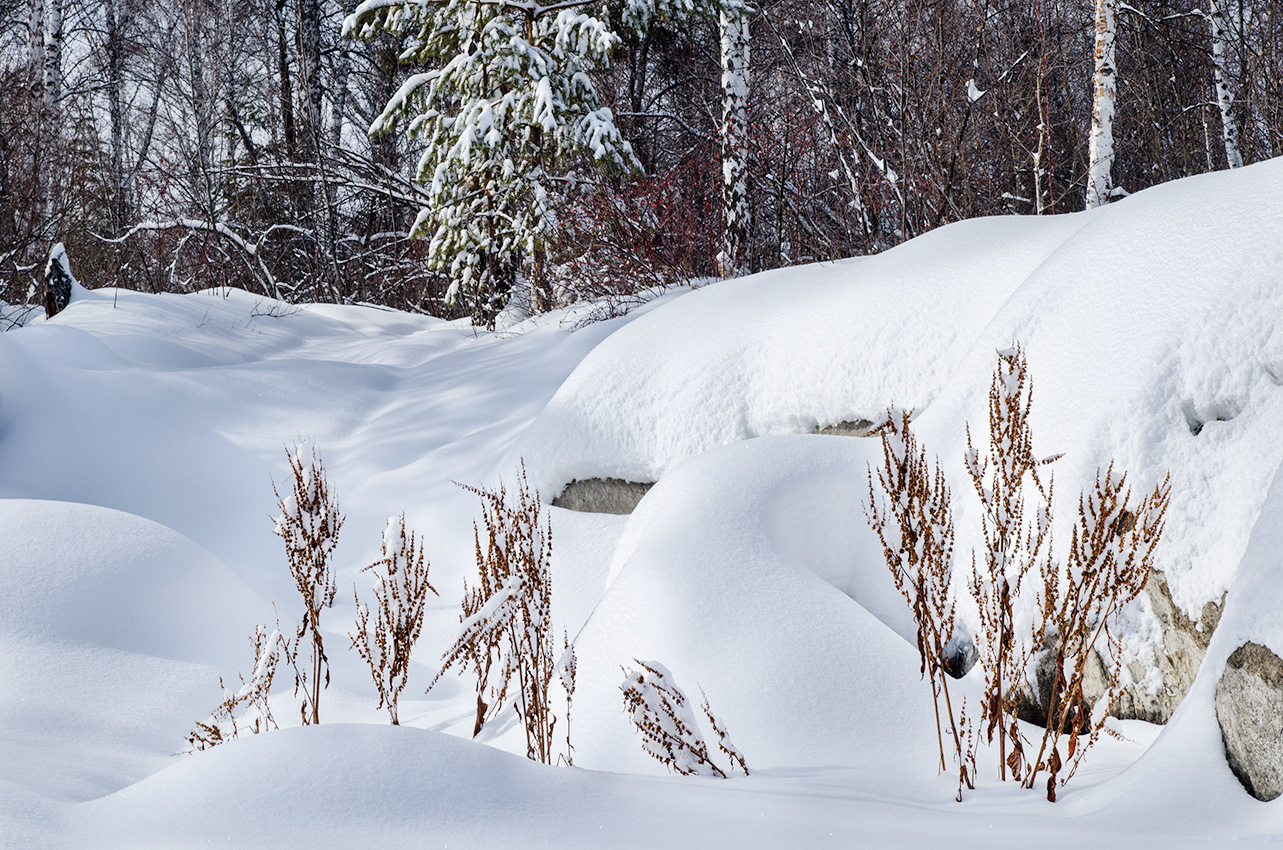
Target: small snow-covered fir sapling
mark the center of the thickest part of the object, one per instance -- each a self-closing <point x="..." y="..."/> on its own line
<point x="223" y="723"/>
<point x="505" y="636"/>
<point x="507" y="107"/>
<point x="670" y="732"/>
<point x="309" y="523"/>
<point x="400" y="598"/>
<point x="909" y="510"/>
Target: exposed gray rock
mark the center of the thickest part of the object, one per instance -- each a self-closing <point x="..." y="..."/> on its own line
<point x="1249" y="709"/>
<point x="846" y="428"/>
<point x="1184" y="646"/>
<point x="602" y="495"/>
<point x="1032" y="707"/>
<point x="960" y="654"/>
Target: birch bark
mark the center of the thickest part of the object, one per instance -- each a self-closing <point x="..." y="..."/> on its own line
<point x="1104" y="83"/>
<point x="734" y="143"/>
<point x="1224" y="93"/>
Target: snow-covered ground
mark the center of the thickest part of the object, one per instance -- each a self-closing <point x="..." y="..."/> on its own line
<point x="140" y="438"/>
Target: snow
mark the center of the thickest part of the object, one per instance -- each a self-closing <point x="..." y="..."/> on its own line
<point x="141" y="435"/>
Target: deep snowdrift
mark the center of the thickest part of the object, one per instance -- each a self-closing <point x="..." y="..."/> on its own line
<point x="140" y="437"/>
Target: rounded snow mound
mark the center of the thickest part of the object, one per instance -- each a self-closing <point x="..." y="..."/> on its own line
<point x="113" y="580"/>
<point x="1150" y="327"/>
<point x="727" y="574"/>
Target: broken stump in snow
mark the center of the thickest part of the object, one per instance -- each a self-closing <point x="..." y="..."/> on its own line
<point x="58" y="282"/>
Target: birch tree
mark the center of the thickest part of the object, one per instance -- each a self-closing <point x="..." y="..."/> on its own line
<point x="1222" y="81"/>
<point x="1104" y="86"/>
<point x="736" y="230"/>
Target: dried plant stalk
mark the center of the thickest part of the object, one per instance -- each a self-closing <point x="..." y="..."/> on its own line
<point x="1013" y="543"/>
<point x="223" y="723"/>
<point x="400" y="599"/>
<point x="1111" y="554"/>
<point x="909" y="510"/>
<point x="569" y="668"/>
<point x="506" y="628"/>
<point x="670" y="733"/>
<point x="309" y="523"/>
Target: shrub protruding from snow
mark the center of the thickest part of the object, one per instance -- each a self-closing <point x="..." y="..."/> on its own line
<point x="223" y="723"/>
<point x="1110" y="558"/>
<point x="505" y="634"/>
<point x="309" y="523"/>
<point x="400" y="598"/>
<point x="670" y="732"/>
<point x="909" y="510"/>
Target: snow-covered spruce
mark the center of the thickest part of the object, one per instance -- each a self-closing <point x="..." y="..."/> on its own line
<point x="507" y="107"/>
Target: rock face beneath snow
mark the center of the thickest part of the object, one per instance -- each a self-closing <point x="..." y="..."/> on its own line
<point x="1184" y="645"/>
<point x="602" y="495"/>
<point x="617" y="496"/>
<point x="1249" y="708"/>
<point x="846" y="428"/>
<point x="1034" y="709"/>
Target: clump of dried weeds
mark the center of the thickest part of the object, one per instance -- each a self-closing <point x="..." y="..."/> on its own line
<point x="251" y="701"/>
<point x="914" y="523"/>
<point x="1110" y="558"/>
<point x="1013" y="544"/>
<point x="309" y="523"/>
<point x="400" y="599"/>
<point x="670" y="733"/>
<point x="1111" y="553"/>
<point x="505" y="637"/>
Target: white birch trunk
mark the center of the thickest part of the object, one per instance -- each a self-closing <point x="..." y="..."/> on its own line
<point x="36" y="48"/>
<point x="53" y="53"/>
<point x="309" y="62"/>
<point x="1101" y="145"/>
<point x="1224" y="93"/>
<point x="734" y="144"/>
<point x="342" y="70"/>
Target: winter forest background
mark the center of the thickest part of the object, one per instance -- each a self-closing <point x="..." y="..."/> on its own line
<point x="176" y="147"/>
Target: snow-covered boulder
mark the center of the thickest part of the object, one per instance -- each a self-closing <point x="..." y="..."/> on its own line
<point x="1184" y="645"/>
<point x="602" y="495"/>
<point x="1249" y="708"/>
<point x="1152" y="335"/>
